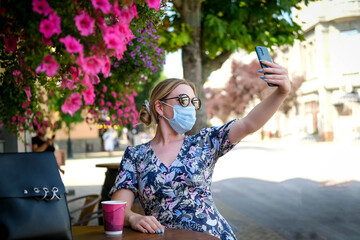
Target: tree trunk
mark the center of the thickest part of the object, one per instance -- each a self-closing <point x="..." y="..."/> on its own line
<point x="190" y="11"/>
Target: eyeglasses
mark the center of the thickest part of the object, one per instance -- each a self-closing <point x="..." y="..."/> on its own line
<point x="184" y="101"/>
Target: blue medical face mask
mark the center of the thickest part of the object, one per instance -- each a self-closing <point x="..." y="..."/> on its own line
<point x="184" y="118"/>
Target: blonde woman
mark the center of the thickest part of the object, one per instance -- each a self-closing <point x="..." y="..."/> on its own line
<point x="171" y="174"/>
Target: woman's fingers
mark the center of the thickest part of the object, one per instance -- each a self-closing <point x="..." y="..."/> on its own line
<point x="277" y="75"/>
<point x="148" y="224"/>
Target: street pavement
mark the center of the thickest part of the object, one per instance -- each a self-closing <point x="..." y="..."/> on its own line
<point x="269" y="189"/>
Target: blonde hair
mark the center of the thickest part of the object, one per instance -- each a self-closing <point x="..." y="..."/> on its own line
<point x="160" y="91"/>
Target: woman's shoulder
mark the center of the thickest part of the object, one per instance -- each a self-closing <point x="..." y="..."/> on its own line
<point x="215" y="129"/>
<point x="138" y="149"/>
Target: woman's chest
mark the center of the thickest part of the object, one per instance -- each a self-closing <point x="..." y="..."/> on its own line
<point x="192" y="168"/>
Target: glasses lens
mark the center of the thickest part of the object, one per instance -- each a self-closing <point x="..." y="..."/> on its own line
<point x="196" y="102"/>
<point x="184" y="100"/>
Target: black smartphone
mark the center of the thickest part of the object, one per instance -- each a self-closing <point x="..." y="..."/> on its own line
<point x="263" y="54"/>
<point x="53" y="136"/>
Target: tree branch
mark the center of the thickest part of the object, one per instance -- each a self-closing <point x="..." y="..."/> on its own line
<point x="210" y="65"/>
<point x="177" y="4"/>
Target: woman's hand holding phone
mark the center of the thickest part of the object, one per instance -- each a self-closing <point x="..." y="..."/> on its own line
<point x="278" y="76"/>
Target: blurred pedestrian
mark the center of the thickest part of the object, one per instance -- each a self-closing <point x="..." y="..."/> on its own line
<point x="41" y="143"/>
<point x="109" y="140"/>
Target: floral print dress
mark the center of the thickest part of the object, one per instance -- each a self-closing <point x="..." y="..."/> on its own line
<point x="179" y="196"/>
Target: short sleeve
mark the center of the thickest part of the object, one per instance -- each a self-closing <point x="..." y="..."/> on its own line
<point x="127" y="174"/>
<point x="217" y="139"/>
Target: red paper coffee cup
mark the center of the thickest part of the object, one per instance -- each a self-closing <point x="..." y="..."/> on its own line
<point x="113" y="215"/>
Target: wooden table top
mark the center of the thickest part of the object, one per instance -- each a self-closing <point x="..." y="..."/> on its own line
<point x="97" y="233"/>
<point x="109" y="165"/>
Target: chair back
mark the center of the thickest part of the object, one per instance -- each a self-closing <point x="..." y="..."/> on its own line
<point x="87" y="210"/>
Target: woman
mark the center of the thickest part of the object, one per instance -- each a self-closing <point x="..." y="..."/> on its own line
<point x="172" y="173"/>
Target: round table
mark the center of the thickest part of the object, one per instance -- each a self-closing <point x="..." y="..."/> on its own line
<point x="97" y="233"/>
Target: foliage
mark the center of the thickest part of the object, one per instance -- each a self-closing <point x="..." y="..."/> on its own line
<point x="244" y="86"/>
<point x="86" y="59"/>
<point x="229" y="25"/>
<point x="226" y="26"/>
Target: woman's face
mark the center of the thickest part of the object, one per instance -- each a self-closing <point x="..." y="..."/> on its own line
<point x="181" y="89"/>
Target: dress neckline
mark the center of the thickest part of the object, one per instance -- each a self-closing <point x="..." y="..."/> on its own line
<point x="176" y="158"/>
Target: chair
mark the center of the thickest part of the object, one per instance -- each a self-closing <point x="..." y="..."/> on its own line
<point x="88" y="210"/>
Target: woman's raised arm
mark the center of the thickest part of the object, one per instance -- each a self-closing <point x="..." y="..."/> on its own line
<point x="262" y="112"/>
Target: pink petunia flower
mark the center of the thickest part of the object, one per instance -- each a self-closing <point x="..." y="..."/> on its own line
<point x="56" y="20"/>
<point x="106" y="67"/>
<point x="49" y="65"/>
<point x="89" y="95"/>
<point x="10" y="43"/>
<point x="72" y="104"/>
<point x="125" y="14"/>
<point x="42" y="7"/>
<point x="46" y="41"/>
<point x="90" y="80"/>
<point x="28" y="92"/>
<point x="155" y="4"/>
<point x="103" y="5"/>
<point x="68" y="83"/>
<point x="18" y="77"/>
<point x="85" y="24"/>
<point x="72" y="44"/>
<point x="25" y="105"/>
<point x="50" y="26"/>
<point x="75" y="73"/>
<point x="113" y="39"/>
<point x="90" y="65"/>
<point x="94" y="79"/>
<point x="104" y="89"/>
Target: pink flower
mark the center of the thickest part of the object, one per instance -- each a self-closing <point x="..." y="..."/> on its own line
<point x="72" y="44"/>
<point x="155" y="4"/>
<point x="120" y="112"/>
<point x="104" y="89"/>
<point x="50" y="26"/>
<point x="72" y="104"/>
<point x="90" y="80"/>
<point x="49" y="65"/>
<point x="94" y="79"/>
<point x="75" y="73"/>
<point x="41" y="6"/>
<point x="18" y="77"/>
<point x="103" y="5"/>
<point x="89" y="95"/>
<point x="90" y="65"/>
<point x="28" y="92"/>
<point x="114" y="94"/>
<point x="25" y="105"/>
<point x="85" y="24"/>
<point x="124" y="30"/>
<point x="46" y="41"/>
<point x="106" y="67"/>
<point x="125" y="14"/>
<point x="68" y="83"/>
<point x="10" y="43"/>
<point x="101" y="23"/>
<point x="102" y="102"/>
<point x="113" y="39"/>
<point x="56" y="20"/>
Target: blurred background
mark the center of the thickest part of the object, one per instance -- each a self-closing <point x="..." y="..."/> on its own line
<point x="297" y="177"/>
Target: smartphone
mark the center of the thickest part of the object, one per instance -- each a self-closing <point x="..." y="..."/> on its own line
<point x="53" y="136"/>
<point x="263" y="54"/>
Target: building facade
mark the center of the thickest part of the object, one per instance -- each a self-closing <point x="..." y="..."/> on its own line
<point x="328" y="59"/>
